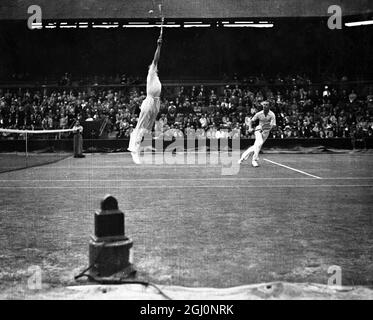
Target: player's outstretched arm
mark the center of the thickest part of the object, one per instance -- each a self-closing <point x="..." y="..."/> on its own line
<point x="158" y="51"/>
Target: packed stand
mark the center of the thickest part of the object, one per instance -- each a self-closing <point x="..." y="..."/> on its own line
<point x="218" y="112"/>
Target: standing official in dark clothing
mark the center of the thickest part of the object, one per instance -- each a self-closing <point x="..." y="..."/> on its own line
<point x="78" y="140"/>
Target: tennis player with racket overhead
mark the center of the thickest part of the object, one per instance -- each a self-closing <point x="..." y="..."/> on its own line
<point x="150" y="106"/>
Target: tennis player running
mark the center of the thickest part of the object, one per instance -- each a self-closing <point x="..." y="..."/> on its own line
<point x="267" y="120"/>
<point x="149" y="107"/>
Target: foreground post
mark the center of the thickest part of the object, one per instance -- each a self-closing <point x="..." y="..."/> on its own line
<point x="109" y="248"/>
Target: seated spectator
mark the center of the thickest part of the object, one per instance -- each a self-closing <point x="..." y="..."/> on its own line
<point x="200" y="132"/>
<point x="211" y="132"/>
<point x="352" y="97"/>
<point x="190" y="132"/>
<point x="179" y="119"/>
<point x="213" y="98"/>
<point x="326" y="93"/>
<point x="203" y="121"/>
<point x="204" y="108"/>
<point x="123" y="127"/>
<point x="226" y="123"/>
<point x="196" y="108"/>
<point x="288" y="132"/>
<point x="187" y="106"/>
<point x="89" y="117"/>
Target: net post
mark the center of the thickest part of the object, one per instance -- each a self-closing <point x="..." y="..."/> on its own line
<point x="26" y="149"/>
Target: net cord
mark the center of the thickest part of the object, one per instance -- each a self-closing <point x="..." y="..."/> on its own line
<point x="34" y="131"/>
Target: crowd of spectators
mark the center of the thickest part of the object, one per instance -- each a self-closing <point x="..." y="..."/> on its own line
<point x="221" y="111"/>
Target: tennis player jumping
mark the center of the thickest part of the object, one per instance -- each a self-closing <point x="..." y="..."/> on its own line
<point x="149" y="107"/>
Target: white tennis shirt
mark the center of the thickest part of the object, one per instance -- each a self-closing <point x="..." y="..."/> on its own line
<point x="265" y="122"/>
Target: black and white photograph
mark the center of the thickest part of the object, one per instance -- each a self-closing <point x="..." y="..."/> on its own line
<point x="208" y="151"/>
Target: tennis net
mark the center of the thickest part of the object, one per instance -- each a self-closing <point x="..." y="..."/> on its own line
<point x="20" y="149"/>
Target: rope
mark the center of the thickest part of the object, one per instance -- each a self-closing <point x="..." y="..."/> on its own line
<point x="110" y="281"/>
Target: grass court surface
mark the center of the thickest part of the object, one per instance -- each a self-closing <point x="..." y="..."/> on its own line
<point x="190" y="225"/>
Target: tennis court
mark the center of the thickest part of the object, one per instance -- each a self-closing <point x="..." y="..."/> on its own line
<point x="288" y="220"/>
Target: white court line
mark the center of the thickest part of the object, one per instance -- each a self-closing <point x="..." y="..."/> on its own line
<point x="163" y="166"/>
<point x="148" y="180"/>
<point x="290" y="168"/>
<point x="176" y="179"/>
<point x="197" y="187"/>
<point x="165" y="153"/>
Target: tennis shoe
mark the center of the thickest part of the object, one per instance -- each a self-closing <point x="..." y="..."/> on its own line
<point x="255" y="163"/>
